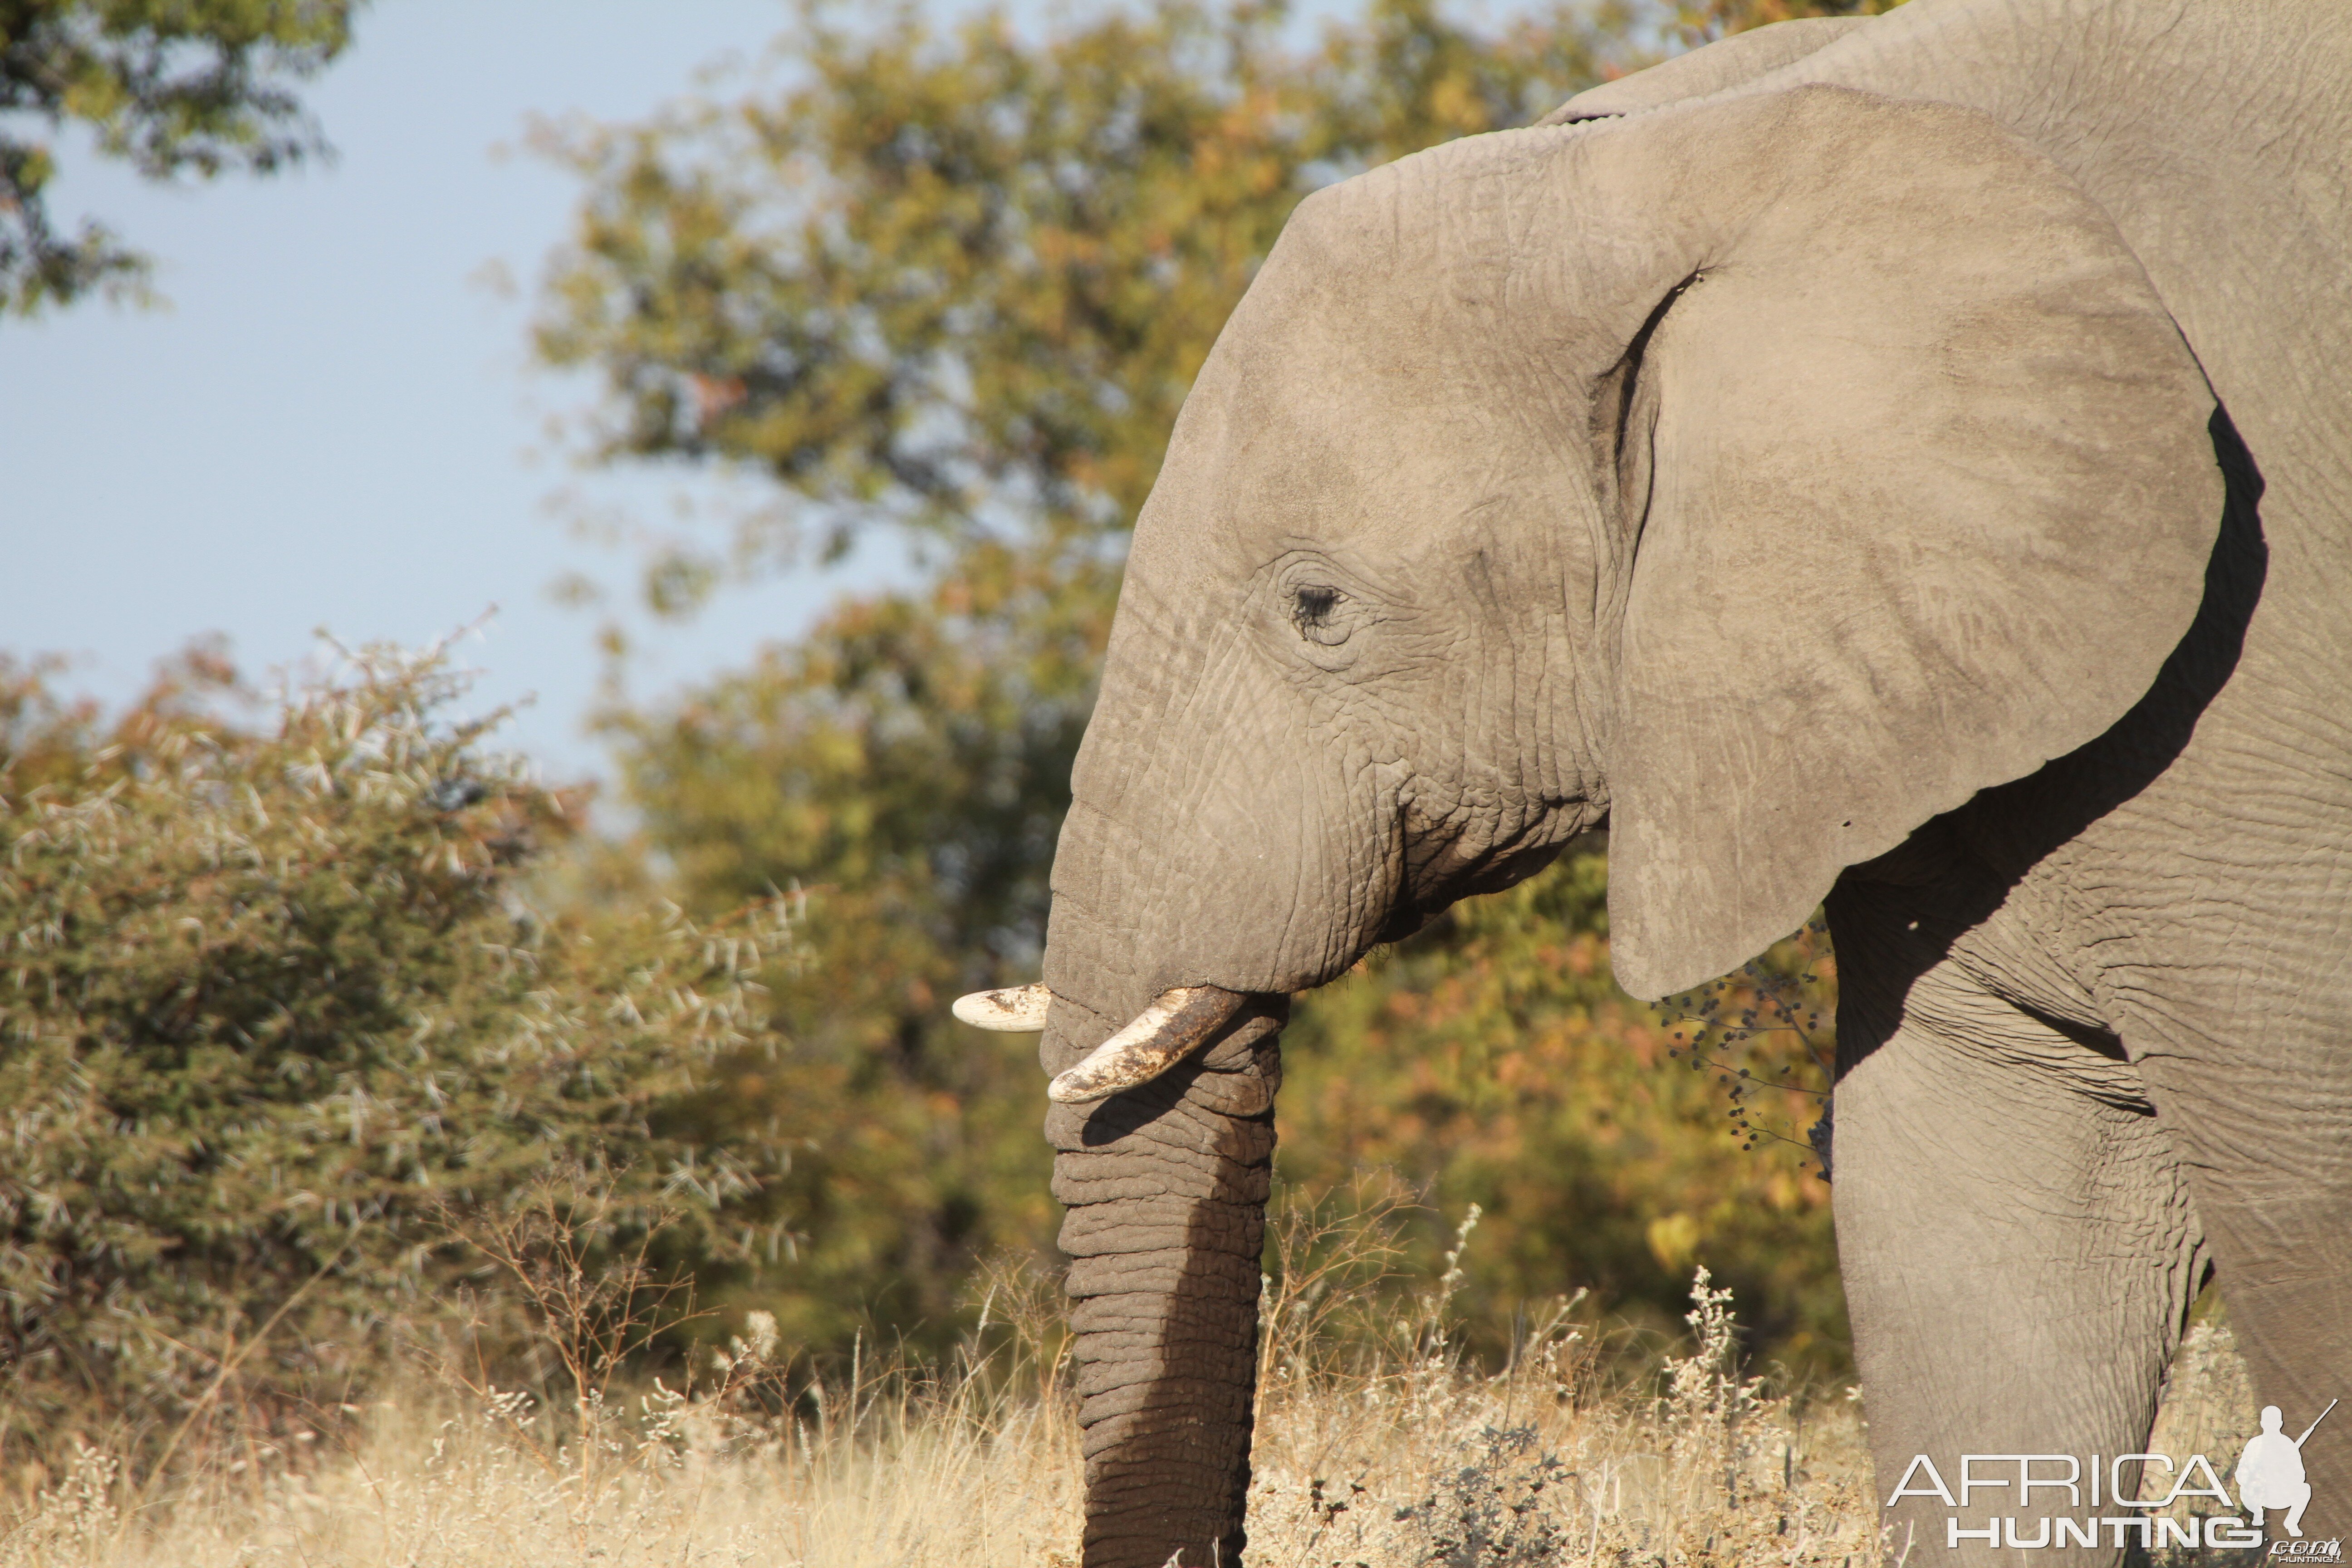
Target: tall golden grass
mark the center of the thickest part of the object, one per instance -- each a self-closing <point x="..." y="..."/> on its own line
<point x="1378" y="1446"/>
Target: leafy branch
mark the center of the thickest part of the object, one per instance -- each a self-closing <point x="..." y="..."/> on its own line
<point x="1772" y="1008"/>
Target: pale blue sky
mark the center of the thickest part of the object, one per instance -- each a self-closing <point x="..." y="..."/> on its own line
<point x="336" y="423"/>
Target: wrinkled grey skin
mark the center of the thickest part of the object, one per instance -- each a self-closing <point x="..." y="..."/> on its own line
<point x="1915" y="472"/>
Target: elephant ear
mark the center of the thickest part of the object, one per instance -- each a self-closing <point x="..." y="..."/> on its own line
<point x="1923" y="491"/>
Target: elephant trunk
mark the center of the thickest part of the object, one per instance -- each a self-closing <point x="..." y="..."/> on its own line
<point x="1166" y="1185"/>
<point x="1172" y="943"/>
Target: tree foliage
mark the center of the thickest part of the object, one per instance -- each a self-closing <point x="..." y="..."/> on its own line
<point x="909" y="764"/>
<point x="962" y="282"/>
<point x="276" y="1012"/>
<point x="1609" y="1146"/>
<point x="175" y="87"/>
<point x="956" y="284"/>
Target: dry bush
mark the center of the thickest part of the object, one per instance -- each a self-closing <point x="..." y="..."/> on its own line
<point x="1379" y="1445"/>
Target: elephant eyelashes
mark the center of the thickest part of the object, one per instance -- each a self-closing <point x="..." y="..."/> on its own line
<point x="1317" y="611"/>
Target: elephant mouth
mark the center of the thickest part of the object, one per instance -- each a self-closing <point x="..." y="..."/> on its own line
<point x="1445" y="880"/>
<point x="1180" y="1022"/>
<point x="1184" y="1020"/>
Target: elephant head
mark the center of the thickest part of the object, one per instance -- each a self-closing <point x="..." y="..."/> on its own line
<point x="1762" y="478"/>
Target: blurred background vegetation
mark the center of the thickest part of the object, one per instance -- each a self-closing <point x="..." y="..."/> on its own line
<point x="297" y="986"/>
<point x="175" y="88"/>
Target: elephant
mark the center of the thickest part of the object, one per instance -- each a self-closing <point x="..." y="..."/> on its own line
<point x="1899" y="465"/>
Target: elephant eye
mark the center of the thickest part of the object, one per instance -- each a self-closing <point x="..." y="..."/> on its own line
<point x="1317" y="611"/>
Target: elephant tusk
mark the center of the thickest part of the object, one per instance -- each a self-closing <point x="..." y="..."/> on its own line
<point x="1174" y="1027"/>
<point x="1014" y="1010"/>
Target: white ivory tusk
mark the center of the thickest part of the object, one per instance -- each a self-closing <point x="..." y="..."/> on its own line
<point x="1014" y="1010"/>
<point x="1174" y="1027"/>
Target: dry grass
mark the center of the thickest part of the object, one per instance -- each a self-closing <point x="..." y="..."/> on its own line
<point x="1378" y="1446"/>
<point x="1375" y="1446"/>
<point x="1424" y="1466"/>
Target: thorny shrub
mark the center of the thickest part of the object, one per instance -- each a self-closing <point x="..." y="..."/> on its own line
<point x="274" y="1005"/>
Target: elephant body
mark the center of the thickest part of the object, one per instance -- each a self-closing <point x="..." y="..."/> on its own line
<point x="1905" y="464"/>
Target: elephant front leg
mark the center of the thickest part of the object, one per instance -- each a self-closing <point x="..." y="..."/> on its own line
<point x="2019" y="1251"/>
<point x="1166" y="1186"/>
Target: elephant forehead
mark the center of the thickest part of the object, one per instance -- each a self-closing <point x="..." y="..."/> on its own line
<point x="1387" y="466"/>
<point x="1399" y="363"/>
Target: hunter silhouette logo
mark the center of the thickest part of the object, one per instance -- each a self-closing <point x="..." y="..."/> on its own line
<point x="2270" y="1472"/>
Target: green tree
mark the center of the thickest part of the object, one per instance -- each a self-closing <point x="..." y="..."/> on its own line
<point x="956" y="285"/>
<point x="907" y="764"/>
<point x="175" y="87"/>
<point x="962" y="283"/>
<point x="277" y="1011"/>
